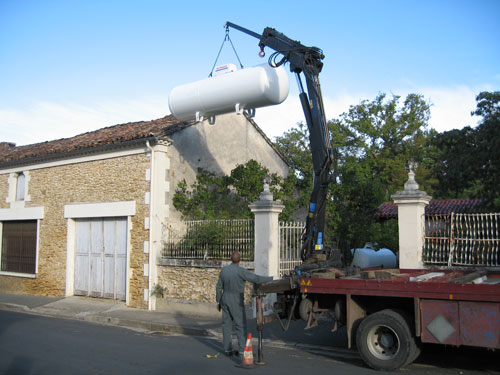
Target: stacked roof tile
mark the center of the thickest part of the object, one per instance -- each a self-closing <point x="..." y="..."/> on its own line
<point x="112" y="135"/>
<point x="389" y="210"/>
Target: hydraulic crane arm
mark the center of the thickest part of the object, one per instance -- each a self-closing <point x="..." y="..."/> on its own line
<point x="307" y="61"/>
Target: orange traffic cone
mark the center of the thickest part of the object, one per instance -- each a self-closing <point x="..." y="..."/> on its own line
<point x="248" y="353"/>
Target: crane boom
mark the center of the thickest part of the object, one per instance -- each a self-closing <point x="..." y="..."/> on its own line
<point x="308" y="62"/>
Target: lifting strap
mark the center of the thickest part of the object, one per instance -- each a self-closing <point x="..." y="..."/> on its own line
<point x="226" y="38"/>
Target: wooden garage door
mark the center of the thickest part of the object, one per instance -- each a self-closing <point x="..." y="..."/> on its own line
<point x="101" y="257"/>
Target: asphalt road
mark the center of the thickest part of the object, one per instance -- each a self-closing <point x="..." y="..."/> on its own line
<point x="31" y="344"/>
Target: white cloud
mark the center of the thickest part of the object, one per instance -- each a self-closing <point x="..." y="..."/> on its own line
<point x="44" y="121"/>
<point x="450" y="108"/>
<point x="277" y="119"/>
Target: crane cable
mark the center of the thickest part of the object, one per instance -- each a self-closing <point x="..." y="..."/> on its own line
<point x="226" y="38"/>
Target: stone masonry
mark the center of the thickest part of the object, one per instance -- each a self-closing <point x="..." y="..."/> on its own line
<point x="114" y="165"/>
<point x="89" y="182"/>
<point x="194" y="284"/>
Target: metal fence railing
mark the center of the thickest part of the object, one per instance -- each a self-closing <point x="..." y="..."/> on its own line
<point x="217" y="239"/>
<point x="462" y="239"/>
<point x="209" y="239"/>
<point x="290" y="244"/>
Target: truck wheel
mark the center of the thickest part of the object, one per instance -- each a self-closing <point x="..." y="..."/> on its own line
<point x="385" y="341"/>
<point x="416" y="350"/>
<point x="305" y="308"/>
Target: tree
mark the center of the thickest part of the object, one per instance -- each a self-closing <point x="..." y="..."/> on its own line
<point x="208" y="198"/>
<point x="373" y="143"/>
<point x="213" y="197"/>
<point x="454" y="163"/>
<point x="387" y="136"/>
<point x="488" y="147"/>
<point x="294" y="145"/>
<point x="466" y="163"/>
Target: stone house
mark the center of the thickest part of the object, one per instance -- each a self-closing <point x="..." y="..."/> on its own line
<point x="84" y="215"/>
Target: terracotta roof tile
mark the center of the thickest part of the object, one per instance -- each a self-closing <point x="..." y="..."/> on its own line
<point x="106" y="136"/>
<point x="388" y="210"/>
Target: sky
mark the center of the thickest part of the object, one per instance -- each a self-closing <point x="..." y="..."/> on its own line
<point x="69" y="67"/>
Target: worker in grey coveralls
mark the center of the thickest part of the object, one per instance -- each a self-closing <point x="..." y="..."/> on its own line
<point x="230" y="293"/>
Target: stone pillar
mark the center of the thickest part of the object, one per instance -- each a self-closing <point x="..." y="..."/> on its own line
<point x="411" y="204"/>
<point x="267" y="233"/>
<point x="267" y="236"/>
<point x="158" y="213"/>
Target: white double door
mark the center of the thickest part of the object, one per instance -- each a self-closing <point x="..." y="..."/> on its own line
<point x="101" y="257"/>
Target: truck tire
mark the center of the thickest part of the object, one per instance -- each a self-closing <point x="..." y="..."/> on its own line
<point x="305" y="308"/>
<point x="416" y="350"/>
<point x="385" y="341"/>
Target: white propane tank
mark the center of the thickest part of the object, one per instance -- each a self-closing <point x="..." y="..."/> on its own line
<point x="248" y="88"/>
<point x="367" y="258"/>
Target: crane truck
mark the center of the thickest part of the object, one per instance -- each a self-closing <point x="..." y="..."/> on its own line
<point x="388" y="313"/>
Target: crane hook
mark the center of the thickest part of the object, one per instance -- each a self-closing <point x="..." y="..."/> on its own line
<point x="262" y="53"/>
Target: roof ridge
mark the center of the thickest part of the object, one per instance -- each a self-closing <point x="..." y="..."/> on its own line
<point x="117" y="133"/>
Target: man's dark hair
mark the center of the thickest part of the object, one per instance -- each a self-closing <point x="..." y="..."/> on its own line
<point x="236" y="257"/>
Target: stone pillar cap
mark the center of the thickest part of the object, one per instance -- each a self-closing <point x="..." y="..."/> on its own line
<point x="409" y="194"/>
<point x="411" y="190"/>
<point x="266" y="200"/>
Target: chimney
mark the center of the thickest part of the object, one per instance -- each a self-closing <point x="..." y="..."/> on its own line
<point x="7" y="146"/>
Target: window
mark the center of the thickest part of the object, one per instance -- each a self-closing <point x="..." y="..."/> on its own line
<point x="20" y="186"/>
<point x="19" y="246"/>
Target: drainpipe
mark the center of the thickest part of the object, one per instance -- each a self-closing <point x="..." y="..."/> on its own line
<point x="151" y="195"/>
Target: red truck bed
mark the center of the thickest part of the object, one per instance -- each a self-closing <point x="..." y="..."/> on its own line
<point x="452" y="307"/>
<point x="426" y="284"/>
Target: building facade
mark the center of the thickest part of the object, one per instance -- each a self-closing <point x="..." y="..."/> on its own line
<point x="84" y="215"/>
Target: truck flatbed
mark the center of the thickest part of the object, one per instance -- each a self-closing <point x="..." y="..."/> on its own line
<point x="389" y="313"/>
<point x="461" y="285"/>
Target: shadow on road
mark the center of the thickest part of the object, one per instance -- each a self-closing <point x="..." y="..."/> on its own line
<point x="10" y="318"/>
<point x="462" y="358"/>
<point x="320" y="336"/>
<point x="20" y="366"/>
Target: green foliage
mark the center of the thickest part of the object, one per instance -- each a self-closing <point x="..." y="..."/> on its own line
<point x="488" y="147"/>
<point x="227" y="197"/>
<point x="158" y="291"/>
<point x="207" y="234"/>
<point x="294" y="145"/>
<point x="248" y="180"/>
<point x="466" y="163"/>
<point x="212" y="239"/>
<point x="454" y="163"/>
<point x="208" y="198"/>
<point x="373" y="143"/>
<point x="386" y="136"/>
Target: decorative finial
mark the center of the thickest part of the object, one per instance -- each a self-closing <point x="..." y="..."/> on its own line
<point x="267" y="181"/>
<point x="266" y="195"/>
<point x="411" y="184"/>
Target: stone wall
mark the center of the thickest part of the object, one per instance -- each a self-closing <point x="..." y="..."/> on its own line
<point x="195" y="281"/>
<point x="108" y="180"/>
<point x="232" y="140"/>
<point x="4" y="190"/>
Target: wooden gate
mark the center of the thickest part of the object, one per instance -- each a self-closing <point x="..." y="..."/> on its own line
<point x="101" y="257"/>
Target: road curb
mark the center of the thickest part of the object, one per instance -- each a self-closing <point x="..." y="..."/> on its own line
<point x="160" y="327"/>
<point x="149" y="326"/>
<point x="14" y="307"/>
